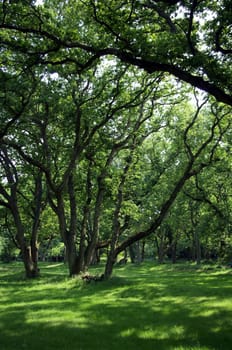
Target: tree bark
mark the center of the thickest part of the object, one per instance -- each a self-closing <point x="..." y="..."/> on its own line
<point x="29" y="261"/>
<point x="68" y="237"/>
<point x="116" y="229"/>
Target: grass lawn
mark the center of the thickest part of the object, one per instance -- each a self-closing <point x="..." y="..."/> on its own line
<point x="148" y="307"/>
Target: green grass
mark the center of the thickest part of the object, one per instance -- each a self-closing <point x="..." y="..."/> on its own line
<point x="148" y="307"/>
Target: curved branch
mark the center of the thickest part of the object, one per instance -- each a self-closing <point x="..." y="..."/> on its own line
<point x="219" y="48"/>
<point x="153" y="66"/>
<point x="126" y="57"/>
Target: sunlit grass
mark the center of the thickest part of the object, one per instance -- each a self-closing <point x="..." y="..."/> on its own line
<point x="168" y="307"/>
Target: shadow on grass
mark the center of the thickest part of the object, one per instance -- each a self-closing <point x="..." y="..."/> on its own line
<point x="140" y="309"/>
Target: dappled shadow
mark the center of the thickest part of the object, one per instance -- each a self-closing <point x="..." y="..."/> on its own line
<point x="127" y="325"/>
<point x="144" y="311"/>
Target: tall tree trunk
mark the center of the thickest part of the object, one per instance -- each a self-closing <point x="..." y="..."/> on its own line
<point x="36" y="220"/>
<point x="71" y="255"/>
<point x="68" y="237"/>
<point x="30" y="265"/>
<point x="86" y="212"/>
<point x="112" y="255"/>
<point x="75" y="266"/>
<point x="90" y="251"/>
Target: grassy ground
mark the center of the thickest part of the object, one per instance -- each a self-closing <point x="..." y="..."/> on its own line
<point x="148" y="307"/>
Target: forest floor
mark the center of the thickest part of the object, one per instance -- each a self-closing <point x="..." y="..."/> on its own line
<point x="146" y="307"/>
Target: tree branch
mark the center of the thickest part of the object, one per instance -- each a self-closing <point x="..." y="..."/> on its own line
<point x="126" y="57"/>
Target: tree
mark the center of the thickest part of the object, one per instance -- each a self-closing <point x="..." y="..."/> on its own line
<point x="57" y="149"/>
<point x="199" y="153"/>
<point x="24" y="208"/>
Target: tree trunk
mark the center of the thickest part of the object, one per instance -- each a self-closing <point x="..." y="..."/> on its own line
<point x="68" y="237"/>
<point x="132" y="254"/>
<point x="173" y="252"/>
<point x="111" y="259"/>
<point x="33" y="249"/>
<point x="31" y="265"/>
<point x="197" y="248"/>
<point x="143" y="250"/>
<point x="75" y="262"/>
<point x="72" y="258"/>
<point x="86" y="213"/>
<point x="30" y="261"/>
<point x="90" y="252"/>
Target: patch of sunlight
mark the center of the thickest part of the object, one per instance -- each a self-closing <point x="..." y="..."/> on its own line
<point x="54" y="318"/>
<point x="161" y="333"/>
<point x="174" y="300"/>
<point x="216" y="329"/>
<point x="206" y="313"/>
<point x="53" y="266"/>
<point x="212" y="307"/>
<point x="58" y="321"/>
<point x="127" y="332"/>
<point x="148" y="334"/>
<point x="223" y="303"/>
<point x="102" y="299"/>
